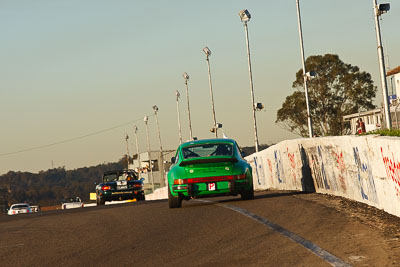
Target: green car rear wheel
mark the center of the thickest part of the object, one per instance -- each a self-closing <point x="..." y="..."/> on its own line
<point x="173" y="202"/>
<point x="248" y="194"/>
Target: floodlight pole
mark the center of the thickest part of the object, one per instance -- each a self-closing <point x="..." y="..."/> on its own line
<point x="212" y="96"/>
<point x="179" y="116"/>
<point x="310" y="128"/>
<point x="382" y="66"/>
<point x="127" y="151"/>
<point x="162" y="182"/>
<point x="251" y="87"/>
<point x="146" y="120"/>
<point x="187" y="98"/>
<point x="135" y="128"/>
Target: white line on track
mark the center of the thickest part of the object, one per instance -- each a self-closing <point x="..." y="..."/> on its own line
<point x="16" y="245"/>
<point x="316" y="250"/>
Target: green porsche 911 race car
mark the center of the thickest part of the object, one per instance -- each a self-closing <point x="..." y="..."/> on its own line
<point x="205" y="168"/>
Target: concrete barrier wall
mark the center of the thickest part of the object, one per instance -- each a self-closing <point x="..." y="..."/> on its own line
<point x="160" y="193"/>
<point x="362" y="168"/>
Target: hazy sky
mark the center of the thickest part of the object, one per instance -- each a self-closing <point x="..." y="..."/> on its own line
<point x="74" y="68"/>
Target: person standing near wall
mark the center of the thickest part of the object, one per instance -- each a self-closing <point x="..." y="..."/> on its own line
<point x="360" y="126"/>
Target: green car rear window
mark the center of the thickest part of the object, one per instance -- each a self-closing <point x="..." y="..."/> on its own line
<point x="207" y="150"/>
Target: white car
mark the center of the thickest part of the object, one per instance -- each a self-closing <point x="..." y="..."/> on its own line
<point x="19" y="208"/>
<point x="72" y="203"/>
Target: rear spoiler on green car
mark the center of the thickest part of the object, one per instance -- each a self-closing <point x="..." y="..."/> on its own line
<point x="207" y="160"/>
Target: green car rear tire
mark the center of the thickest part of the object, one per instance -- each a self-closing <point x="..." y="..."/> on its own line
<point x="248" y="194"/>
<point x="173" y="202"/>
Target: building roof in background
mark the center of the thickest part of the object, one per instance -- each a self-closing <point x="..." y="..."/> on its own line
<point x="361" y="114"/>
<point x="393" y="71"/>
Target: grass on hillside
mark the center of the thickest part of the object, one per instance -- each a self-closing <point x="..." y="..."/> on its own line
<point x="386" y="132"/>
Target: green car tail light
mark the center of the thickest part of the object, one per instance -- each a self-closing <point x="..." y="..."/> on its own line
<point x="179" y="181"/>
<point x="239" y="177"/>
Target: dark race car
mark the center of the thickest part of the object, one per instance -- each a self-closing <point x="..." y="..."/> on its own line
<point x="119" y="185"/>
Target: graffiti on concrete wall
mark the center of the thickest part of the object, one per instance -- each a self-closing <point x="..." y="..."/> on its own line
<point x="340" y="164"/>
<point x="392" y="168"/>
<point x="270" y="171"/>
<point x="259" y="171"/>
<point x="292" y="163"/>
<point x="365" y="177"/>
<point x="255" y="160"/>
<point x="318" y="169"/>
<point x="348" y="166"/>
<point x="280" y="173"/>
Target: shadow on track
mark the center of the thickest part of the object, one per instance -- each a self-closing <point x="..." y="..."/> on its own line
<point x="259" y="195"/>
<point x="267" y="194"/>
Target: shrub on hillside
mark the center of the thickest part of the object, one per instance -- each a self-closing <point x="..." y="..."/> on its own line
<point x="385" y="132"/>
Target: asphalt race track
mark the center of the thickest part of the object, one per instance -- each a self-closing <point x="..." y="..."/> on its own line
<point x="221" y="231"/>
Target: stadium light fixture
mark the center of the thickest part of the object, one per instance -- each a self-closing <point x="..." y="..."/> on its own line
<point x="245" y="17"/>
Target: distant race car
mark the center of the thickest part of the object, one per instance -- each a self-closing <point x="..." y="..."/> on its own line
<point x="72" y="203"/>
<point x="35" y="208"/>
<point x="205" y="168"/>
<point x="19" y="208"/>
<point x="119" y="185"/>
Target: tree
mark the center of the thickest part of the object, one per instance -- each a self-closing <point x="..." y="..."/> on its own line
<point x="338" y="89"/>
<point x="51" y="186"/>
